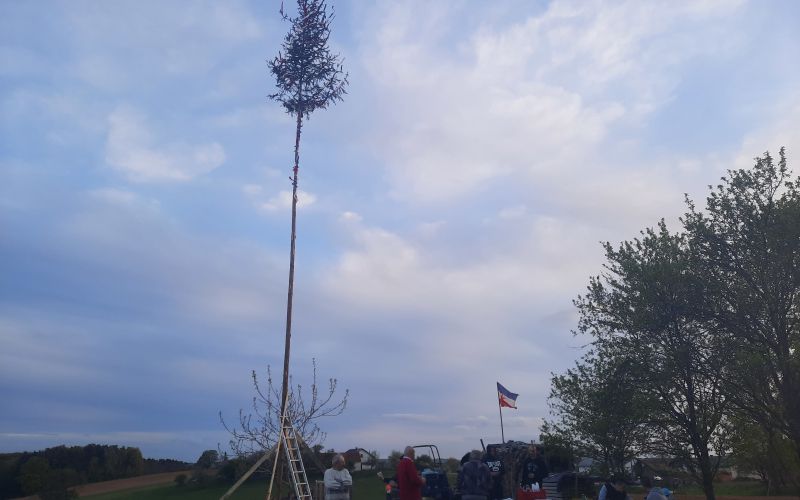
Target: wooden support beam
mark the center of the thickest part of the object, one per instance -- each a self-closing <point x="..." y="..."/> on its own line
<point x="247" y="474"/>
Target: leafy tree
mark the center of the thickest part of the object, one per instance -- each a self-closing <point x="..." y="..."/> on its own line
<point x="200" y="478"/>
<point x="766" y="452"/>
<point x="424" y="461"/>
<point x="559" y="448"/>
<point x="748" y="238"/>
<point x="58" y="468"/>
<point x="38" y="477"/>
<point x="58" y="484"/>
<point x="648" y="308"/>
<point x="708" y="321"/>
<point x="34" y="475"/>
<point x="308" y="77"/>
<point x="394" y="458"/>
<point x="600" y="413"/>
<point x="232" y="469"/>
<point x="208" y="459"/>
<point x="451" y="465"/>
<point x="9" y="474"/>
<point x="133" y="462"/>
<point x="94" y="470"/>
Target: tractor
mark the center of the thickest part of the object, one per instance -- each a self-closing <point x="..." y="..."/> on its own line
<point x="436" y="484"/>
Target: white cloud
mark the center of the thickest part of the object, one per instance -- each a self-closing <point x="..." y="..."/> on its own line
<point x="38" y="348"/>
<point x="431" y="229"/>
<point x="252" y="189"/>
<point x="278" y="202"/>
<point x="283" y="200"/>
<point x="530" y="102"/>
<point x="66" y="114"/>
<point x="132" y="150"/>
<point x="383" y="271"/>
<point x="351" y="216"/>
<point x="781" y="131"/>
<point x="124" y="198"/>
<point x="524" y="127"/>
<point x="413" y="417"/>
<point x="513" y="212"/>
<point x="251" y="116"/>
<point x="448" y="310"/>
<point x="159" y="40"/>
<point x="196" y="277"/>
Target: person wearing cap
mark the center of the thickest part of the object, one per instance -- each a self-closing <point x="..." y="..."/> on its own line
<point x="614" y="489"/>
<point x="655" y="493"/>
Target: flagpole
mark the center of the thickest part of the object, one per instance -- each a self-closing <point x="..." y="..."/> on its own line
<point x="502" y="432"/>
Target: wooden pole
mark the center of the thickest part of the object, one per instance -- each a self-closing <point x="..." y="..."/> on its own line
<point x="274" y="469"/>
<point x="250" y="471"/>
<point x="502" y="433"/>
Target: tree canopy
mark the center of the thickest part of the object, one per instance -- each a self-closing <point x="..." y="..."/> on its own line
<point x="704" y="324"/>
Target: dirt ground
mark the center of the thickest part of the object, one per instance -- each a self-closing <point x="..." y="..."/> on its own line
<point x="126" y="484"/>
<point x="86" y="490"/>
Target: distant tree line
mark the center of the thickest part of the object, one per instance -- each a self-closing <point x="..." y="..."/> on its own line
<point x="52" y="471"/>
<point x="695" y="340"/>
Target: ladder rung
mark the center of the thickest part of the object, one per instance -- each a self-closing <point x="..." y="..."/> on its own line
<point x="294" y="458"/>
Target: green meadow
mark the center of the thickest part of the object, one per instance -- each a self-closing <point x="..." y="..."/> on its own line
<point x="366" y="486"/>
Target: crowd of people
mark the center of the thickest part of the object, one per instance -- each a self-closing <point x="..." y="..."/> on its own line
<point x="481" y="476"/>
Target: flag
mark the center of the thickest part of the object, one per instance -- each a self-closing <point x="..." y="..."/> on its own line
<point x="507" y="398"/>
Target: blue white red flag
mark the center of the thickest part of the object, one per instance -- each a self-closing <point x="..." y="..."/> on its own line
<point x="507" y="398"/>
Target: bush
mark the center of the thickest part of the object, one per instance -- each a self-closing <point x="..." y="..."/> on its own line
<point x="200" y="478"/>
<point x="180" y="479"/>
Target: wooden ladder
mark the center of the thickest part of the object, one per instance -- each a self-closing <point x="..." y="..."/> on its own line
<point x="297" y="471"/>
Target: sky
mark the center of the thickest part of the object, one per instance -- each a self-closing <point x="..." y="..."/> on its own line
<point x="451" y="207"/>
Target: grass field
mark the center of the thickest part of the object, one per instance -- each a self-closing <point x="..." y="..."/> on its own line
<point x="251" y="490"/>
<point x="728" y="488"/>
<point x="365" y="487"/>
<point x="744" y="488"/>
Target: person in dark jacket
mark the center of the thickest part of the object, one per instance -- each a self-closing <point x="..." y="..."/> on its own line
<point x="496" y="471"/>
<point x="614" y="489"/>
<point x="533" y="468"/>
<point x="474" y="479"/>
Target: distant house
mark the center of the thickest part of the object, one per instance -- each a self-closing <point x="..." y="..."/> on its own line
<point x="728" y="471"/>
<point x="667" y="471"/>
<point x="588" y="465"/>
<point x="358" y="459"/>
<point x="662" y="471"/>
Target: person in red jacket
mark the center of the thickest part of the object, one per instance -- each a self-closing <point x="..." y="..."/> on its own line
<point x="408" y="479"/>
